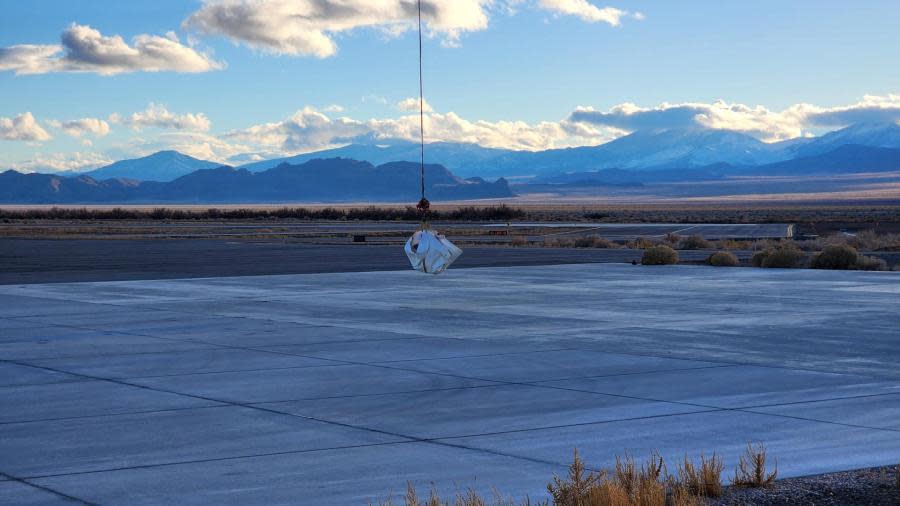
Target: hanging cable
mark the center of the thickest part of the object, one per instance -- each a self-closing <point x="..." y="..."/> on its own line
<point x="423" y="204"/>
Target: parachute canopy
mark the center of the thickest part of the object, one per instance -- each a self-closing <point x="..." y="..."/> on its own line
<point x="430" y="252"/>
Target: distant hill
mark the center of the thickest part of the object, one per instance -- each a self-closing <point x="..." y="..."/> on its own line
<point x="463" y="159"/>
<point x="643" y="150"/>
<point x="333" y="180"/>
<point x="160" y="166"/>
<point x="878" y="135"/>
<point x="847" y="159"/>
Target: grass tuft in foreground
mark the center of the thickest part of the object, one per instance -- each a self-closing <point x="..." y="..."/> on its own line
<point x="752" y="470"/>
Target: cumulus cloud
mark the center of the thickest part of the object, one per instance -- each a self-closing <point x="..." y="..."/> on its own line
<point x="59" y="162"/>
<point x="412" y="105"/>
<point x="310" y="130"/>
<point x="79" y="127"/>
<point x="157" y="116"/>
<point x="85" y="49"/>
<point x="308" y="27"/>
<point x="758" y="121"/>
<point x="587" y="11"/>
<point x="23" y="127"/>
<point x="871" y="109"/>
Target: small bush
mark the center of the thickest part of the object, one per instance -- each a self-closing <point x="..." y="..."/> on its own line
<point x="594" y="241"/>
<point x="576" y="487"/>
<point x="660" y="255"/>
<point x="640" y="243"/>
<point x="672" y="238"/>
<point x="751" y="470"/>
<point x="836" y="256"/>
<point x="723" y="259"/>
<point x="695" y="242"/>
<point x="786" y="256"/>
<point x="519" y="241"/>
<point x="865" y="263"/>
<point x="705" y="480"/>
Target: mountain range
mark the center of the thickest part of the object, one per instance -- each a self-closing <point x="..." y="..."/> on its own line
<point x="644" y="150"/>
<point x="386" y="170"/>
<point x="322" y="180"/>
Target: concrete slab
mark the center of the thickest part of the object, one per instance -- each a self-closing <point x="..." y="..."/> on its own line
<point x="337" y="388"/>
<point x="306" y="383"/>
<point x="163" y="437"/>
<point x="481" y="410"/>
<point x="15" y="375"/>
<point x="879" y="411"/>
<point x="353" y="476"/>
<point x="85" y="398"/>
<point x="733" y="387"/>
<point x="801" y="446"/>
<point x="21" y="494"/>
<point x="163" y="364"/>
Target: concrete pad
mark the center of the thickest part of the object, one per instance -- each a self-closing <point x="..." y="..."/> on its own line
<point x="15" y="374"/>
<point x="59" y="342"/>
<point x="306" y="383"/>
<point x="878" y="411"/>
<point x="552" y="365"/>
<point x="21" y="494"/>
<point x="115" y="442"/>
<point x="85" y="398"/>
<point x="401" y="350"/>
<point x="182" y="362"/>
<point x="354" y="476"/>
<point x="496" y="373"/>
<point x="801" y="447"/>
<point x="733" y="387"/>
<point x="478" y="410"/>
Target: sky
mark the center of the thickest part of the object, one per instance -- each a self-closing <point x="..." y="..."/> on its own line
<point x="89" y="82"/>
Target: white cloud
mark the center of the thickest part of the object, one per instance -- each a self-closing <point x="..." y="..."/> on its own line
<point x="412" y="105"/>
<point x="310" y="130"/>
<point x="157" y="116"/>
<point x="78" y="127"/>
<point x="333" y="108"/>
<point x="23" y="128"/>
<point x="586" y="11"/>
<point x="758" y="121"/>
<point x="308" y="27"/>
<point x="85" y="49"/>
<point x="58" y="162"/>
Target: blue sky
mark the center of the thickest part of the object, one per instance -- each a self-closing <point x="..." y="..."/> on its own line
<point x="505" y="73"/>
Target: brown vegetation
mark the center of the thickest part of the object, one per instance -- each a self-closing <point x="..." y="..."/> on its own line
<point x="660" y="255"/>
<point x="723" y="259"/>
<point x="752" y="471"/>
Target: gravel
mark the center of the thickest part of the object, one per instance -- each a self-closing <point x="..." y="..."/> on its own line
<point x="873" y="486"/>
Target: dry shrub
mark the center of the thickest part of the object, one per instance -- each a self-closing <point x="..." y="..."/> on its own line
<point x="865" y="263"/>
<point x="519" y="241"/>
<point x="783" y="256"/>
<point x="705" y="480"/>
<point x="734" y="245"/>
<point x="640" y="243"/>
<point x="594" y="241"/>
<point x="659" y="255"/>
<point x="723" y="259"/>
<point x="845" y="257"/>
<point x="835" y="256"/>
<point x="468" y="498"/>
<point x="751" y="470"/>
<point x="695" y="242"/>
<point x="672" y="239"/>
<point x="576" y="487"/>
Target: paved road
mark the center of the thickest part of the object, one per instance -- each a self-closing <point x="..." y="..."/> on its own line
<point x="335" y="389"/>
<point x="613" y="231"/>
<point x="53" y="261"/>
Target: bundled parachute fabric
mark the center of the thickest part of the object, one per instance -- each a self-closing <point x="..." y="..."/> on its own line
<point x="430" y="252"/>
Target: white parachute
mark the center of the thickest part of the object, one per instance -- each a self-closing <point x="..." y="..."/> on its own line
<point x="430" y="252"/>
